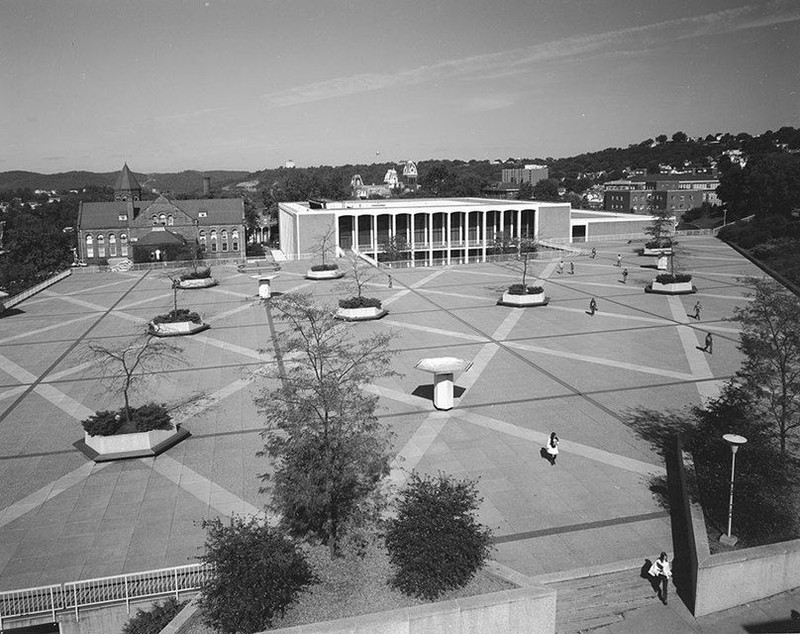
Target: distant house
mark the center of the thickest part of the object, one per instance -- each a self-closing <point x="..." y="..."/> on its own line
<point x="160" y="229"/>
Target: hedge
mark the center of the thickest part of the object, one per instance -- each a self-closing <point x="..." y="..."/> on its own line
<point x="360" y="302"/>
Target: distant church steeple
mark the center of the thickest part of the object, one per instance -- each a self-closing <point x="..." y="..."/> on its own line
<point x="127" y="187"/>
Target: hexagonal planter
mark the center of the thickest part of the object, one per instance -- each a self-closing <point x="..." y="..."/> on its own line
<point x="657" y="251"/>
<point x="176" y="329"/>
<point x="528" y="300"/>
<point x="675" y="288"/>
<point x="136" y="445"/>
<point x="364" y="313"/>
<point x="327" y="274"/>
<point x="201" y="282"/>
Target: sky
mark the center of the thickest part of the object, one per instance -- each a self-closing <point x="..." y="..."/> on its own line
<point x="172" y="85"/>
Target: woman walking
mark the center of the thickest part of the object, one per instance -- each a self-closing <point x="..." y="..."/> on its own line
<point x="552" y="449"/>
<point x="661" y="572"/>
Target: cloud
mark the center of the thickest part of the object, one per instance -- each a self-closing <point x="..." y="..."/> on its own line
<point x="489" y="102"/>
<point x="519" y="60"/>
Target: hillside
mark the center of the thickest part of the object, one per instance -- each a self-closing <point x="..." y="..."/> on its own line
<point x="186" y="182"/>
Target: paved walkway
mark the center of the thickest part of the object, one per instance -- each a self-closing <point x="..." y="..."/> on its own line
<point x="534" y="371"/>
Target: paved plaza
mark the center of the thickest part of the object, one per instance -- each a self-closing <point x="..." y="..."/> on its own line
<point x="535" y="370"/>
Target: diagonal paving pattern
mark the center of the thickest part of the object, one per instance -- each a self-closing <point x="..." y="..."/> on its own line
<point x="593" y="507"/>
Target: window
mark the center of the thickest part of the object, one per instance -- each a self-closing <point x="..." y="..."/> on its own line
<point x="89" y="247"/>
<point x="202" y="213"/>
<point x="123" y="216"/>
<point x="162" y="219"/>
<point x="112" y="245"/>
<point x="224" y="246"/>
<point x="235" y="240"/>
<point x="224" y="235"/>
<point x="123" y="244"/>
<point x="155" y="219"/>
<point x="213" y="240"/>
<point x="101" y="247"/>
<point x="170" y="220"/>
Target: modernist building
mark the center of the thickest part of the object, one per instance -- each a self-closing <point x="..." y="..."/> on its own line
<point x="160" y="229"/>
<point x="449" y="229"/>
<point x="529" y="174"/>
<point x="673" y="192"/>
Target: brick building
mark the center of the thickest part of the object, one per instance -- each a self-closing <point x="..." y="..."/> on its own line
<point x="673" y="192"/>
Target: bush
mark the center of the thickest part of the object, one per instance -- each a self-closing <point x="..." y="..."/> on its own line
<point x="257" y="573"/>
<point x="669" y="278"/>
<point x="517" y="289"/>
<point x="105" y="423"/>
<point x="151" y="416"/>
<point x="254" y="250"/>
<point x="435" y="543"/>
<point x="199" y="274"/>
<point x="664" y="243"/>
<point x="155" y="619"/>
<point x="174" y="316"/>
<point x="360" y="302"/>
<point x="324" y="267"/>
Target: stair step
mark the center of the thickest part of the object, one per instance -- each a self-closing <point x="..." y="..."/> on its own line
<point x="587" y="624"/>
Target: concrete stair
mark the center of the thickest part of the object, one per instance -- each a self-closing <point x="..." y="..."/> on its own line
<point x="593" y="602"/>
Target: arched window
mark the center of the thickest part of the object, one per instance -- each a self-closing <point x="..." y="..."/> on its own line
<point x="201" y="238"/>
<point x="89" y="247"/>
<point x="224" y="236"/>
<point x="213" y="240"/>
<point x="170" y="220"/>
<point x="234" y="240"/>
<point x="101" y="247"/>
<point x="123" y="244"/>
<point x="162" y="219"/>
<point x="155" y="219"/>
<point x="112" y="245"/>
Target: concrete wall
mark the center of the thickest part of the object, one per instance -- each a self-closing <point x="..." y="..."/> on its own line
<point x="286" y="232"/>
<point x="616" y="228"/>
<point x="13" y="300"/>
<point x="528" y="610"/>
<point x="553" y="221"/>
<point x="312" y="227"/>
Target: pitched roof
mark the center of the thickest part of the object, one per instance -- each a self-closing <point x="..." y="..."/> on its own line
<point x="160" y="235"/>
<point x="126" y="180"/>
<point x="223" y="211"/>
<point x="104" y="215"/>
<point x="219" y="211"/>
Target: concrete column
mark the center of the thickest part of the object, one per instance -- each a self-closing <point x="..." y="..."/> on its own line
<point x="373" y="231"/>
<point x="355" y="232"/>
<point x="519" y="223"/>
<point x="430" y="238"/>
<point x="483" y="236"/>
<point x="443" y="390"/>
<point x="447" y="228"/>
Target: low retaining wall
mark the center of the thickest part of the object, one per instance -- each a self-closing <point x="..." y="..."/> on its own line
<point x="13" y="300"/>
<point x="725" y="580"/>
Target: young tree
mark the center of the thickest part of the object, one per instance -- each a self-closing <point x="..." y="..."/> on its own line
<point x="330" y="452"/>
<point x="325" y="244"/>
<point x="394" y="249"/>
<point x="661" y="228"/>
<point x="525" y="191"/>
<point x="255" y="574"/>
<point x="361" y="274"/>
<point x="770" y="342"/>
<point x="132" y="366"/>
<point x="435" y="542"/>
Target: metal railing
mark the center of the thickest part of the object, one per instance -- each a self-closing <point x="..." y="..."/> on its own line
<point x="74" y="595"/>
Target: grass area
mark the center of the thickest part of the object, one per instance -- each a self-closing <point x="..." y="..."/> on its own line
<point x="350" y="586"/>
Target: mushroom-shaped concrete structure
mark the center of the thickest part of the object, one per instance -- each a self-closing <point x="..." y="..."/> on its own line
<point x="443" y="369"/>
<point x="264" y="281"/>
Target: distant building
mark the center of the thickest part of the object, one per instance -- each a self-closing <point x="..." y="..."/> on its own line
<point x="673" y="192"/>
<point x="160" y="229"/>
<point x="289" y="164"/>
<point x="529" y="174"/>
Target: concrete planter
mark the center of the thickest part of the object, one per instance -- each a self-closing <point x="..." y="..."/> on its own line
<point x="330" y="274"/>
<point x="202" y="282"/>
<point x="360" y="314"/>
<point x="136" y="445"/>
<point x="676" y="288"/>
<point x="176" y="329"/>
<point x="658" y="251"/>
<point x="523" y="301"/>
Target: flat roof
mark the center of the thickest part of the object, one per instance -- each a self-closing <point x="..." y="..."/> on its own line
<point x="405" y="203"/>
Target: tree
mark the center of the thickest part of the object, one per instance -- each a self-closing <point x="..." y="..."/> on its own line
<point x="129" y="368"/>
<point x="396" y="248"/>
<point x="770" y="342"/>
<point x="546" y="190"/>
<point x="325" y="243"/>
<point x="361" y="274"/>
<point x="660" y="229"/>
<point x="435" y="542"/>
<point x="330" y="452"/>
<point x="679" y="137"/>
<point x="661" y="138"/>
<point x="155" y="619"/>
<point x="255" y="573"/>
<point x="525" y="191"/>
<point x="768" y="185"/>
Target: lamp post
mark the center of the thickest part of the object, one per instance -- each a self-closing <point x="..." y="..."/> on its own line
<point x="734" y="440"/>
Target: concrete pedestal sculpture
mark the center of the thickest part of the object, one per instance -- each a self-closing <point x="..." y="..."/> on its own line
<point x="443" y="369"/>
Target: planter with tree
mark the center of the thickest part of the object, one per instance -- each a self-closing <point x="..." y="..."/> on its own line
<point x="325" y="245"/>
<point x="131" y="432"/>
<point x="660" y="232"/>
<point x="197" y="276"/>
<point x="671" y="283"/>
<point x="521" y="295"/>
<point x="358" y="307"/>
<point x="178" y="321"/>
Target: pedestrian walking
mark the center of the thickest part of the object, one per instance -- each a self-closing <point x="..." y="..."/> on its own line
<point x="572" y="268"/>
<point x="592" y="306"/>
<point x="619" y="259"/>
<point x="661" y="572"/>
<point x="625" y="276"/>
<point x="552" y="449"/>
<point x="697" y="308"/>
<point x="561" y="267"/>
<point x="709" y="347"/>
<point x="390" y="281"/>
<point x="594" y="253"/>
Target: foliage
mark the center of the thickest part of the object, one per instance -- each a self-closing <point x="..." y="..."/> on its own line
<point x="176" y="316"/>
<point x="770" y="342"/>
<point x="329" y="450"/>
<point x="199" y="274"/>
<point x="769" y="184"/>
<point x="546" y="190"/>
<point x="151" y="416"/>
<point x="324" y="267"/>
<point x="673" y="278"/>
<point x="660" y="229"/>
<point x="396" y="248"/>
<point x="360" y="302"/>
<point x="325" y="244"/>
<point x="133" y="365"/>
<point x="525" y="191"/>
<point x="435" y="542"/>
<point x="658" y="244"/>
<point x="142" y="419"/>
<point x="361" y="274"/>
<point x="256" y="574"/>
<point x="254" y="249"/>
<point x="155" y="619"/>
<point x="519" y="289"/>
<point x="104" y="423"/>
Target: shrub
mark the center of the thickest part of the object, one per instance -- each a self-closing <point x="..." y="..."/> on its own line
<point x="105" y="423"/>
<point x="199" y="274"/>
<point x="658" y="244"/>
<point x="155" y="619"/>
<point x="324" y="267"/>
<point x="151" y="416"/>
<point x="435" y="543"/>
<point x="517" y="289"/>
<point x="257" y="574"/>
<point x="669" y="278"/>
<point x="360" y="302"/>
<point x="174" y="316"/>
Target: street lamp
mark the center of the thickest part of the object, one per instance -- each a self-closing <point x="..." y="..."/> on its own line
<point x="734" y="440"/>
